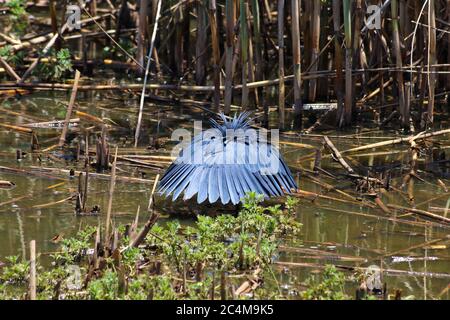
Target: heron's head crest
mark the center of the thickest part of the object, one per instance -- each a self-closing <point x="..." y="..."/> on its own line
<point x="241" y="121"/>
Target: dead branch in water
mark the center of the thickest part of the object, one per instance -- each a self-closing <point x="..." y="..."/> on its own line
<point x="73" y="96"/>
<point x="421" y="213"/>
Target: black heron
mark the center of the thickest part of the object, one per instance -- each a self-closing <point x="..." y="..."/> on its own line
<point x="226" y="162"/>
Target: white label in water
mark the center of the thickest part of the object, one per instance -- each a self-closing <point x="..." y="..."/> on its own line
<point x="319" y="106"/>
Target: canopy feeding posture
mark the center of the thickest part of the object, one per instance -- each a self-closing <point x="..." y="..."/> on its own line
<point x="226" y="162"/>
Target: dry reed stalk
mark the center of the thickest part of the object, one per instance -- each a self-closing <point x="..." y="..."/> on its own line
<point x="150" y="199"/>
<point x="32" y="281"/>
<point x="9" y="69"/>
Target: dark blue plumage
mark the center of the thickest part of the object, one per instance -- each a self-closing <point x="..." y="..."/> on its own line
<point x="224" y="164"/>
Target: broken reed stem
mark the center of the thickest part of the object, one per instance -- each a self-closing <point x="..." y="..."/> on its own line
<point x="9" y="69"/>
<point x="73" y="97"/>
<point x="150" y="200"/>
<point x="337" y="155"/>
<point x="32" y="281"/>
<point x="86" y="176"/>
<point x="421" y="213"/>
<point x="150" y="222"/>
<point x="392" y="142"/>
<point x="145" y="230"/>
<point x="110" y="197"/>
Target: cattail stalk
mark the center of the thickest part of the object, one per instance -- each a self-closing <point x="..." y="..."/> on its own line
<point x="315" y="43"/>
<point x="230" y="23"/>
<point x="399" y="64"/>
<point x="348" y="63"/>
<point x="216" y="51"/>
<point x="178" y="45"/>
<point x="251" y="62"/>
<point x="259" y="65"/>
<point x="281" y="90"/>
<point x="200" y="46"/>
<point x="295" y="30"/>
<point x="244" y="52"/>
<point x="338" y="58"/>
<point x="142" y="31"/>
<point x="432" y="60"/>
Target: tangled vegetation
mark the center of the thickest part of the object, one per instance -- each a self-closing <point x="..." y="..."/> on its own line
<point x="330" y="288"/>
<point x="174" y="262"/>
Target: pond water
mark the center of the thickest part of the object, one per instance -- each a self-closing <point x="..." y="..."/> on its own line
<point x="347" y="233"/>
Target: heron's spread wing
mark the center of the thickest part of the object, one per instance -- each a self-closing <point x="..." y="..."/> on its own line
<point x="216" y="167"/>
<point x="226" y="170"/>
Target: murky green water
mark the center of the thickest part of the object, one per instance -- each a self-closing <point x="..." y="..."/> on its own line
<point x="357" y="234"/>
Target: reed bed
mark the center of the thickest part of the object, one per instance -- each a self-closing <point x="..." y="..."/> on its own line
<point x="383" y="61"/>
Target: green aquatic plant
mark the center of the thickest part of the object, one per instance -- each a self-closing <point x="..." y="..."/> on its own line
<point x="227" y="242"/>
<point x="18" y="15"/>
<point x="17" y="8"/>
<point x="15" y="272"/>
<point x="14" y="59"/>
<point x="104" y="288"/>
<point x="58" y="66"/>
<point x="50" y="283"/>
<point x="331" y="287"/>
<point x="75" y="248"/>
<point x="5" y="52"/>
